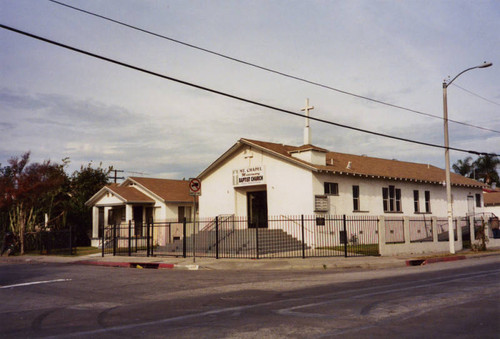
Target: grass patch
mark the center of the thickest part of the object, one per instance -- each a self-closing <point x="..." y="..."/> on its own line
<point x="370" y="249"/>
<point x="77" y="251"/>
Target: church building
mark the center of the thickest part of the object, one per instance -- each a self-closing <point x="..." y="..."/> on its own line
<point x="258" y="179"/>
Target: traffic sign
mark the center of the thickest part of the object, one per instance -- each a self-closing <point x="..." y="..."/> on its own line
<point x="194" y="186"/>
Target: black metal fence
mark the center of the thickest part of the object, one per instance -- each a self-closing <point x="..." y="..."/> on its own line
<point x="50" y="242"/>
<point x="233" y="237"/>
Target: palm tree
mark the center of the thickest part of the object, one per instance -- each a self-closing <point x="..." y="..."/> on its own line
<point x="464" y="167"/>
<point x="486" y="168"/>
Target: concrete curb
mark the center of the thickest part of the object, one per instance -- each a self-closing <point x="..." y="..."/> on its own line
<point x="418" y="262"/>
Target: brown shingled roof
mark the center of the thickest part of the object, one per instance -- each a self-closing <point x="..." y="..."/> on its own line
<point x="367" y="166"/>
<point x="166" y="189"/>
<point x="491" y="198"/>
<point x="130" y="194"/>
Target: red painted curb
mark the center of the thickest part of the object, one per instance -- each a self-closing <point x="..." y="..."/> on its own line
<point x="455" y="258"/>
<point x="105" y="263"/>
<point x="166" y="266"/>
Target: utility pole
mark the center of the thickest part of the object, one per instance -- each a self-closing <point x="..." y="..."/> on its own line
<point x="116" y="177"/>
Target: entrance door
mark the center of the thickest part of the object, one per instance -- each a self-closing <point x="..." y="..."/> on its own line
<point x="257" y="209"/>
<point x="101" y="221"/>
<point x="470" y="205"/>
<point x="137" y="214"/>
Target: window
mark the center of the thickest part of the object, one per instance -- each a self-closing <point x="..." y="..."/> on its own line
<point x="331" y="188"/>
<point x="355" y="198"/>
<point x="478" y="200"/>
<point x="391" y="199"/>
<point x="427" y="201"/>
<point x="416" y="203"/>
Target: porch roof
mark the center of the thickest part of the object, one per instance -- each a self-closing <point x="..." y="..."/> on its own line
<point x="167" y="190"/>
<point x="130" y="195"/>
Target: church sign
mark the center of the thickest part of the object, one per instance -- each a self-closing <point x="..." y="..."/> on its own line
<point x="249" y="176"/>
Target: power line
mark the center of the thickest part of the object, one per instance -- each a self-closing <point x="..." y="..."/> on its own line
<point x="211" y="90"/>
<point x="476" y="95"/>
<point x="269" y="69"/>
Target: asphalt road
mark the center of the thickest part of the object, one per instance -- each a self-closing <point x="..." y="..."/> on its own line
<point x="446" y="300"/>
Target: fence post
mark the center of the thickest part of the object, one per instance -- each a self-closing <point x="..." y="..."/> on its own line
<point x="147" y="239"/>
<point x="184" y="237"/>
<point x="103" y="239"/>
<point x="152" y="235"/>
<point x="381" y="235"/>
<point x="303" y="238"/>
<point x="406" y="230"/>
<point x="129" y="237"/>
<point x="217" y="237"/>
<point x="70" y="241"/>
<point x="257" y="239"/>
<point x="434" y="224"/>
<point x="346" y="238"/>
<point x="114" y="239"/>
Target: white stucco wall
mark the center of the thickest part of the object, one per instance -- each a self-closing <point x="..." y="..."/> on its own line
<point x="371" y="201"/>
<point x="493" y="209"/>
<point x="289" y="187"/>
<point x="291" y="190"/>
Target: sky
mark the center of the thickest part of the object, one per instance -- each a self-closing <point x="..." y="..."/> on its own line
<point x="57" y="103"/>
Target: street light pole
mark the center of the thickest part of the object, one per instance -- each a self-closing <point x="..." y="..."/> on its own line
<point x="451" y="236"/>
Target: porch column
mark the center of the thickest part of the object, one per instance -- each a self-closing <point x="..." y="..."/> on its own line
<point x="129" y="214"/>
<point x="106" y="214"/>
<point x="95" y="221"/>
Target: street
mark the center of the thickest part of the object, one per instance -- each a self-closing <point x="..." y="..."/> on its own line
<point x="449" y="299"/>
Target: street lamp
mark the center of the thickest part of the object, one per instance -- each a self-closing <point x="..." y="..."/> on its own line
<point x="447" y="154"/>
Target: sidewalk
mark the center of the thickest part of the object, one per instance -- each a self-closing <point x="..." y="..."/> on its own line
<point x="330" y="263"/>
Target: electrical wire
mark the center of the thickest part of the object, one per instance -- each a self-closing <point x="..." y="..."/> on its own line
<point x="476" y="95"/>
<point x="214" y="91"/>
<point x="269" y="69"/>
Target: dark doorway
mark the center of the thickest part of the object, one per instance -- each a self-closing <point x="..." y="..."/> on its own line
<point x="257" y="209"/>
<point x="101" y="221"/>
<point x="137" y="211"/>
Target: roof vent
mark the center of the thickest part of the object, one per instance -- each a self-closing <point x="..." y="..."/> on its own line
<point x="349" y="164"/>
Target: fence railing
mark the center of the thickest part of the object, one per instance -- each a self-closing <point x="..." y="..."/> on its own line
<point x="231" y="237"/>
<point x="296" y="236"/>
<point x="50" y="242"/>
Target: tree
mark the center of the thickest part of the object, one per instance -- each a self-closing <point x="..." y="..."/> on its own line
<point x="84" y="184"/>
<point x="463" y="167"/>
<point x="486" y="168"/>
<point x="31" y="191"/>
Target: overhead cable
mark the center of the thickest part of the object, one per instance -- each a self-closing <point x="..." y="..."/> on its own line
<point x="211" y="90"/>
<point x="476" y="95"/>
<point x="269" y="69"/>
